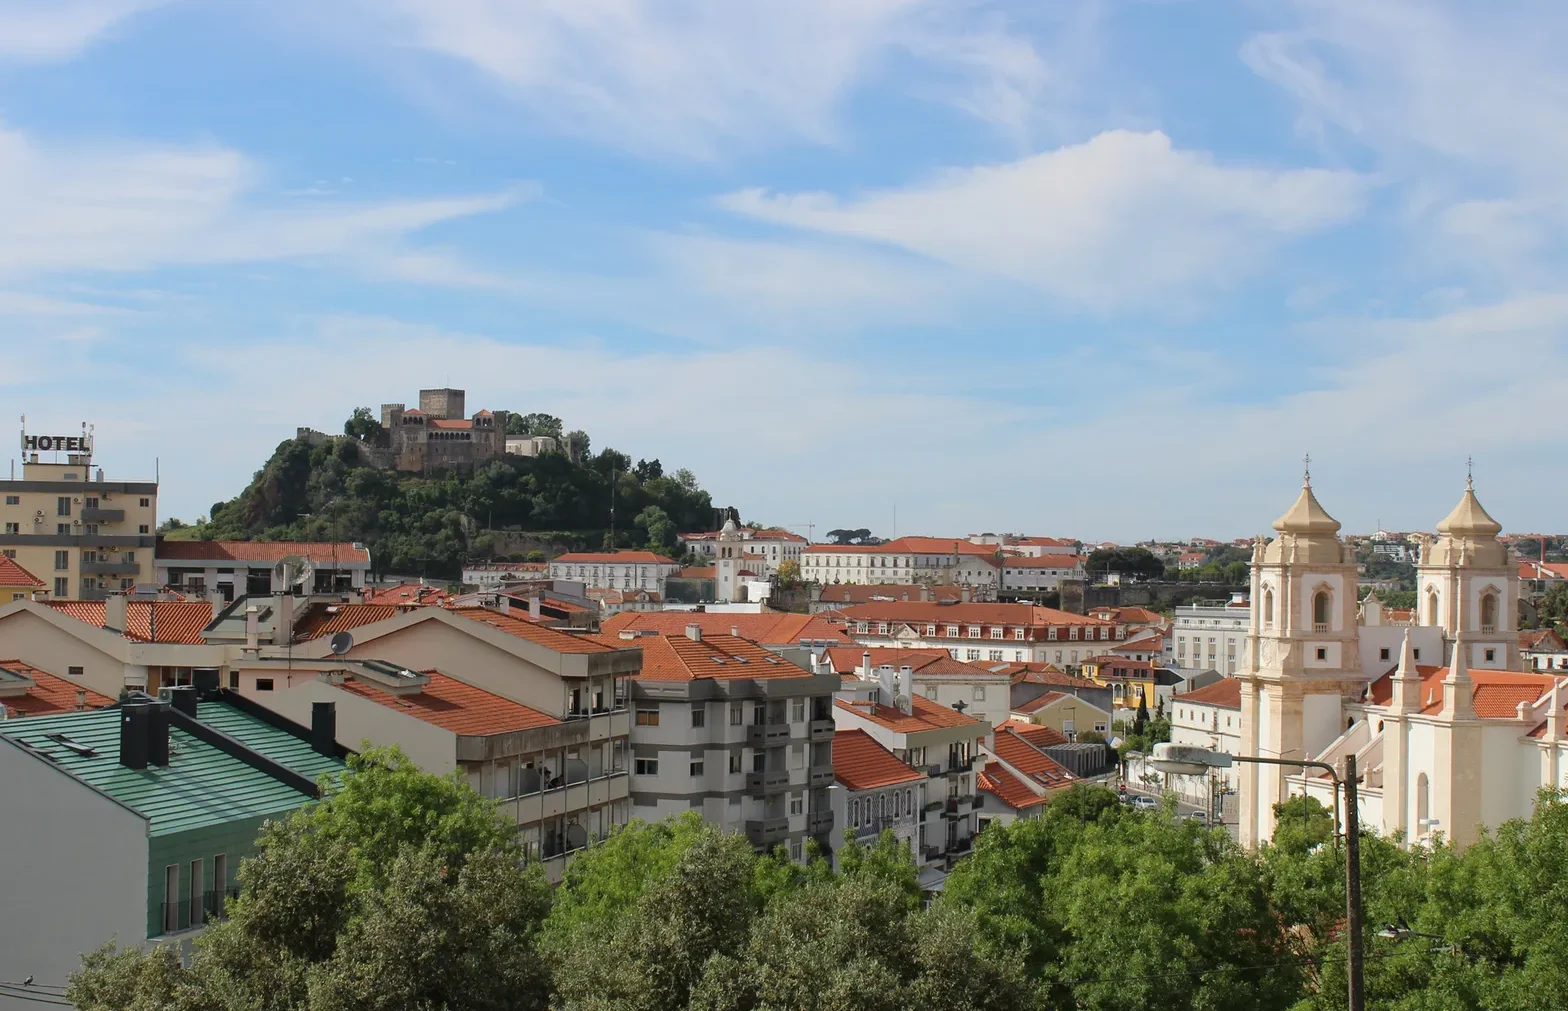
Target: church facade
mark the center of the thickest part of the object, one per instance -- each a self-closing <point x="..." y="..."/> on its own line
<point x="1449" y="735"/>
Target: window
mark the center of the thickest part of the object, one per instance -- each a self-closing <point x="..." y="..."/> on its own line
<point x="1489" y="613"/>
<point x="1382" y="654"/>
<point x="1423" y="817"/>
<point x="1268" y="608"/>
<point x="1431" y="607"/>
<point x="797" y="711"/>
<point x="979" y="693"/>
<point x="1072" y="633"/>
<point x="881" y="628"/>
<point x="646" y="767"/>
<point x="647" y="717"/>
<point x="9" y="553"/>
<point x="1320" y="606"/>
<point x="995" y="654"/>
<point x="62" y="587"/>
<point x="13" y="528"/>
<point x="735" y="762"/>
<point x="930" y="630"/>
<point x="1322" y="653"/>
<point x="696" y="768"/>
<point x="1050" y="634"/>
<point x="62" y="528"/>
<point x="797" y="756"/>
<point x="62" y="505"/>
<point x="195" y="893"/>
<point x="234" y="680"/>
<point x="971" y="654"/>
<point x="74" y="672"/>
<point x="797" y="803"/>
<point x="1415" y="654"/>
<point x="62" y="559"/>
<point x="997" y="632"/>
<point x="1058" y="656"/>
<point x="91" y="502"/>
<point x="220" y="875"/>
<point x="146" y="502"/>
<point x="862" y="628"/>
<point x="1491" y="655"/>
<point x="264" y="684"/>
<point x="142" y="529"/>
<point x="974" y="631"/>
<point x="737" y="714"/>
<point x="13" y="500"/>
<point x="952" y="631"/>
<point x="931" y="692"/>
<point x="699" y="717"/>
<point x="171" y="898"/>
<point x="1018" y="633"/>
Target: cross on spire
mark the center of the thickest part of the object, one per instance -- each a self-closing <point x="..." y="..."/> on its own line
<point x="1469" y="472"/>
<point x="1306" y="465"/>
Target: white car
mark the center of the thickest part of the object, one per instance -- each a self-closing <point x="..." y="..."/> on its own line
<point x="1145" y="803"/>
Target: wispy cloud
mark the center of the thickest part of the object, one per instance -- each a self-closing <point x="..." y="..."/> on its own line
<point x="1124" y="219"/>
<point x="44" y="30"/>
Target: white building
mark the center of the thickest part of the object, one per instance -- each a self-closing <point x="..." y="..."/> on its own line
<point x="968" y="687"/>
<point x="251" y="568"/>
<point x="1208" y="717"/>
<point x="1543" y="649"/>
<point x="769" y="548"/>
<point x="1213" y="635"/>
<point x="992" y="633"/>
<point x="722" y="726"/>
<point x="1447" y="743"/>
<point x="1039" y="573"/>
<point x="904" y="560"/>
<point x="492" y="575"/>
<point x="1020" y="776"/>
<point x="614" y="570"/>
<point x="531" y="445"/>
<point x="874" y="791"/>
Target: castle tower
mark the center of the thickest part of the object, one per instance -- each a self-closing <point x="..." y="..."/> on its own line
<point x="727" y="563"/>
<point x="1467" y="571"/>
<point x="1302" y="658"/>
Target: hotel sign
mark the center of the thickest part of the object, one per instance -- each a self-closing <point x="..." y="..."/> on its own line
<point x="57" y="443"/>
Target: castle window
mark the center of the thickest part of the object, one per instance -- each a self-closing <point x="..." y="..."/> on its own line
<point x="1320" y="606"/>
<point x="1489" y="612"/>
<point x="1268" y="608"/>
<point x="1431" y="607"/>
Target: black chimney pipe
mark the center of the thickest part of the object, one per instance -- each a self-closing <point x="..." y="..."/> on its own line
<point x="324" y="728"/>
<point x="205" y="679"/>
<point x="183" y="698"/>
<point x="158" y="735"/>
<point x="133" y="735"/>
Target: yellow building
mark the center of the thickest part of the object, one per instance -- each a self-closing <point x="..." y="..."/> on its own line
<point x="1128" y="680"/>
<point x="83" y="536"/>
<point x="1063" y="712"/>
<point x="16" y="583"/>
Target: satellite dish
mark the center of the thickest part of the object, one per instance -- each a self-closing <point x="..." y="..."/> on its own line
<point x="292" y="571"/>
<point x="901" y="702"/>
<point x="340" y="643"/>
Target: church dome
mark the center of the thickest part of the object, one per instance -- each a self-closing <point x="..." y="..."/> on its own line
<point x="1307" y="533"/>
<point x="730" y="529"/>
<point x="1307" y="516"/>
<point x="1469" y="518"/>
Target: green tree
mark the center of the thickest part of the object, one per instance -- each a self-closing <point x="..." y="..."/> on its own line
<point x="1140" y="722"/>
<point x="362" y="425"/>
<point x="1137" y="563"/>
<point x="660" y="529"/>
<point x="789" y="574"/>
<point x="577" y="444"/>
<point x="1553" y="608"/>
<point x="534" y="424"/>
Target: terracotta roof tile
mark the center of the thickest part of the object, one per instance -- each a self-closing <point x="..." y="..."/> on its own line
<point x="48" y="694"/>
<point x="1496" y="695"/>
<point x="315" y="552"/>
<point x="1030" y="761"/>
<point x="1037" y="734"/>
<point x="458" y="706"/>
<point x="922" y="611"/>
<point x="561" y="642"/>
<point x="1225" y="693"/>
<point x="613" y="557"/>
<point x="176" y="621"/>
<point x="327" y="619"/>
<point x="13" y="575"/>
<point x="924" y="659"/>
<point x="677" y="658"/>
<point x="1040" y="702"/>
<point x="927" y="715"/>
<point x="771" y="628"/>
<point x="412" y="594"/>
<point x="1543" y="640"/>
<point x="995" y="779"/>
<point x="860" y="763"/>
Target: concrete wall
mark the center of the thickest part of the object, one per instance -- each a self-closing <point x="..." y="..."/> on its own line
<point x="76" y="872"/>
<point x="34" y="640"/>
<point x="431" y="644"/>
<point x="360" y="719"/>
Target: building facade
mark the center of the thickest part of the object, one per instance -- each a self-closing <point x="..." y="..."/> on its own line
<point x="772" y="547"/>
<point x="1208" y="717"/>
<point x="437" y="435"/>
<point x="1212" y="635"/>
<point x="990" y="633"/>
<point x="83" y="535"/>
<point x="614" y="570"/>
<point x="1036" y="574"/>
<point x="904" y="560"/>
<point x="875" y="792"/>
<point x="235" y="569"/>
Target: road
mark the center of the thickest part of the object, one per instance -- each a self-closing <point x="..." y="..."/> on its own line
<point x="1185" y="809"/>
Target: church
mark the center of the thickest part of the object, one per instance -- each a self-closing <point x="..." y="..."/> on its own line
<point x="1450" y="737"/>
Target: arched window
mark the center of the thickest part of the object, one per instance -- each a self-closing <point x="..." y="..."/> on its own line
<point x="1268" y="608"/>
<point x="1320" y="606"/>
<point x="1431" y="607"/>
<point x="909" y="801"/>
<point x="1422" y="811"/>
<point x="1489" y="612"/>
<point x="854" y="816"/>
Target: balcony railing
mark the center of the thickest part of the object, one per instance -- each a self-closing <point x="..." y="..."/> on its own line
<point x="103" y="515"/>
<point x="767" y="831"/>
<point x="956" y="763"/>
<point x="821" y="730"/>
<point x="110" y="568"/>
<point x="194" y="912"/>
<point x="821" y="775"/>
<point x="958" y="804"/>
<point x="767" y="734"/>
<point x="1488" y="629"/>
<point x="820" y="821"/>
<point x="767" y="782"/>
<point x="1320" y="627"/>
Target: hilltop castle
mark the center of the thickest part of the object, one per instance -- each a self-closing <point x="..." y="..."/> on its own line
<point x="436" y="436"/>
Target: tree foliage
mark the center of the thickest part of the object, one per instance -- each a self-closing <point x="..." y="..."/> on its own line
<point x="860" y="535"/>
<point x="1134" y="563"/>
<point x="362" y="425"/>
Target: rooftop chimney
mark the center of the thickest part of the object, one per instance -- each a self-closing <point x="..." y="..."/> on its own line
<point x="115" y="608"/>
<point x="158" y="735"/>
<point x="252" y="628"/>
<point x="205" y="680"/>
<point x="535" y="605"/>
<point x="81" y="700"/>
<point x="283" y="621"/>
<point x="324" y="728"/>
<point x="183" y="698"/>
<point x="865" y="665"/>
<point x="735" y="631"/>
<point x="144" y="735"/>
<point x="887" y="683"/>
<point x="963" y="593"/>
<point x="694" y="632"/>
<point x="906" y="689"/>
<point x="503" y="603"/>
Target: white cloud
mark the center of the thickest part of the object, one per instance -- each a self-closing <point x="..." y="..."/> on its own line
<point x="141" y="207"/>
<point x="1123" y="218"/>
<point x="691" y="78"/>
<point x="41" y="30"/>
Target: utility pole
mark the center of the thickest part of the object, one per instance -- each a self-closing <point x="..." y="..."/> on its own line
<point x="1358" y="992"/>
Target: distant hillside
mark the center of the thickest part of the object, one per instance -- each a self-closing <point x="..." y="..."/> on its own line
<point x="428" y="524"/>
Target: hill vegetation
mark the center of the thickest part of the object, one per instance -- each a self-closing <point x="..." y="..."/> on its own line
<point x="427" y="524"/>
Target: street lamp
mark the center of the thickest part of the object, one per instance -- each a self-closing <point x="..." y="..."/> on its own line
<point x="1190" y="760"/>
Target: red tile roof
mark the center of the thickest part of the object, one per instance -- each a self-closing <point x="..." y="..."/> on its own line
<point x="409" y="593"/>
<point x="1130" y="615"/>
<point x="1225" y="693"/>
<point x="1121" y="667"/>
<point x="47" y="696"/>
<point x="860" y="763"/>
<point x="1037" y="734"/>
<point x="697" y="572"/>
<point x="861" y="593"/>
<point x="770" y="534"/>
<point x="1496" y="694"/>
<point x="326" y="619"/>
<point x="176" y="621"/>
<point x="614" y="557"/>
<point x="677" y="658"/>
<point x="773" y="628"/>
<point x="512" y="624"/>
<point x="995" y="779"/>
<point x="1030" y="761"/>
<point x="1038" y="672"/>
<point x="1541" y="640"/>
<point x="13" y="575"/>
<point x="925" y="660"/>
<point x="451" y="424"/>
<point x="927" y="715"/>
<point x="1034" y="705"/>
<point x="271" y="552"/>
<point x="457" y="706"/>
<point x="922" y="611"/>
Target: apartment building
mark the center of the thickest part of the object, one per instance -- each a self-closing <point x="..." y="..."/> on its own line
<point x="941" y="741"/>
<point x="83" y="535"/>
<point x="1021" y="776"/>
<point x="614" y="570"/>
<point x="1208" y="717"/>
<point x="874" y="791"/>
<point x="905" y="560"/>
<point x="969" y="687"/>
<point x="251" y="568"/>
<point x="1026" y="574"/>
<point x="992" y="633"/>
<point x="722" y="726"/>
<point x="1212" y="635"/>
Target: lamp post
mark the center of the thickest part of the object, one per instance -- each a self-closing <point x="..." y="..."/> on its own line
<point x="1189" y="760"/>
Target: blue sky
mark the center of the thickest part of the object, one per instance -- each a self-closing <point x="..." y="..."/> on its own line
<point x="1101" y="269"/>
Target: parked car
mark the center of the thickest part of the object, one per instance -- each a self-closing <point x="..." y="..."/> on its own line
<point x="1144" y="803"/>
<point x="1201" y="817"/>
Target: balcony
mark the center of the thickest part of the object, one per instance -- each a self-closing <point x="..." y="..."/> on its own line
<point x="1319" y="627"/>
<point x="956" y="763"/>
<point x="103" y="568"/>
<point x="954" y="806"/>
<point x="767" y="832"/>
<point x="961" y="846"/>
<point x="764" y="735"/>
<point x="103" y="515"/>
<point x="821" y="775"/>
<point x="821" y="730"/>
<point x="765" y="783"/>
<point x="820" y="821"/>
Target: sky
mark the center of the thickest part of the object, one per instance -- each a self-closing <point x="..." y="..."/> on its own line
<point x="1106" y="269"/>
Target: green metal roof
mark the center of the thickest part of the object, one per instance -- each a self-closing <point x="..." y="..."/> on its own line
<point x="259" y="736"/>
<point x="200" y="787"/>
